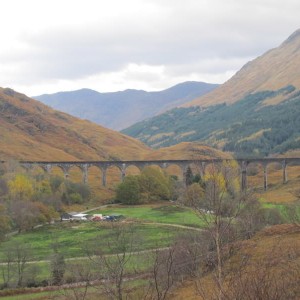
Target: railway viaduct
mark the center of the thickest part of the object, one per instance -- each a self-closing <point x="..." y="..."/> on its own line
<point x="84" y="166"/>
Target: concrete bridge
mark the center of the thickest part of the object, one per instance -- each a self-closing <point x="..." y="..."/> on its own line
<point x="103" y="166"/>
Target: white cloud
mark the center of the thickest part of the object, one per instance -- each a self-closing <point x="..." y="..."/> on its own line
<point x="48" y="46"/>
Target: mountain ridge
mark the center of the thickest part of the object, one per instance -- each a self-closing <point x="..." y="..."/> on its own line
<point x="255" y="113"/>
<point x="30" y="130"/>
<point x="272" y="70"/>
<point x="117" y="110"/>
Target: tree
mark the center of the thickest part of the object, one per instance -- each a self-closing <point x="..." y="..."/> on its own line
<point x="57" y="264"/>
<point x="79" y="282"/>
<point x="193" y="194"/>
<point x="163" y="274"/>
<point x="128" y="192"/>
<point x="3" y="188"/>
<point x="21" y="254"/>
<point x="25" y="214"/>
<point x="217" y="206"/>
<point x="110" y="270"/>
<point x="21" y="187"/>
<point x="5" y="222"/>
<point x="7" y="266"/>
<point x="154" y="184"/>
<point x="189" y="176"/>
<point x="55" y="182"/>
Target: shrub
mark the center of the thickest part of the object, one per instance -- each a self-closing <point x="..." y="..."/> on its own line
<point x="128" y="192"/>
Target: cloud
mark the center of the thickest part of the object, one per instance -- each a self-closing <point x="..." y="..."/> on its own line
<point x="55" y="44"/>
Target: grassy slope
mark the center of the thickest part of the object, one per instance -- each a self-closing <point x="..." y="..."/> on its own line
<point x="275" y="69"/>
<point x="30" y="130"/>
<point x="33" y="131"/>
<point x="186" y="150"/>
<point x="276" y="247"/>
<point x="72" y="236"/>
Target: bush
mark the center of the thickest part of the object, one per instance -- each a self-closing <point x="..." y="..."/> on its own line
<point x="128" y="192"/>
<point x="76" y="198"/>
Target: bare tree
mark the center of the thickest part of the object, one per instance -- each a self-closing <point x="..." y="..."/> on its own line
<point x="111" y="269"/>
<point x="22" y="255"/>
<point x="217" y="206"/>
<point x="76" y="287"/>
<point x="7" y="267"/>
<point x="186" y="257"/>
<point x="15" y="263"/>
<point x="162" y="274"/>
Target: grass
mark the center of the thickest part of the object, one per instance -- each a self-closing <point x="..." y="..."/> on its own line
<point x="137" y="264"/>
<point x="285" y="210"/>
<point x="71" y="238"/>
<point x="166" y="214"/>
<point x="135" y="291"/>
<point x="29" y="296"/>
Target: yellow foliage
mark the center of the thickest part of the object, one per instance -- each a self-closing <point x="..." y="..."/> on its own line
<point x="217" y="178"/>
<point x="21" y="187"/>
<point x="225" y="177"/>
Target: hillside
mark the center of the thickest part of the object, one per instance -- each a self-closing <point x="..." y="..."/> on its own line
<point x="251" y="115"/>
<point x="272" y="71"/>
<point x="30" y="130"/>
<point x="264" y="267"/>
<point x="122" y="109"/>
<point x="186" y="150"/>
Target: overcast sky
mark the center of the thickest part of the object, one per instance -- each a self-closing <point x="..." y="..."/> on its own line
<point x="58" y="45"/>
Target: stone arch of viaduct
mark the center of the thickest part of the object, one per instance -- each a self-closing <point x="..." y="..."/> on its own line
<point x="182" y="164"/>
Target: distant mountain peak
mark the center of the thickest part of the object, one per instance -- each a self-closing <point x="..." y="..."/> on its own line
<point x="121" y="109"/>
<point x="294" y="36"/>
<point x="273" y="70"/>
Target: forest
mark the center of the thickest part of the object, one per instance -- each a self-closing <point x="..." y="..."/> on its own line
<point x="246" y="128"/>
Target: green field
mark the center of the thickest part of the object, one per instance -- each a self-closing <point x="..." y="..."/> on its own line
<point x="167" y="214"/>
<point x="150" y="228"/>
<point x="72" y="238"/>
<point x="285" y="211"/>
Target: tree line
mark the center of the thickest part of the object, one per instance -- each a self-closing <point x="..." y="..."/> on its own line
<point x="31" y="198"/>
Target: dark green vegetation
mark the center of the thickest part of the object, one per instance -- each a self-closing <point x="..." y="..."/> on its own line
<point x="122" y="109"/>
<point x="151" y="185"/>
<point x="247" y="127"/>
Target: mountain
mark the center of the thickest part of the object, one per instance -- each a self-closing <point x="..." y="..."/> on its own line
<point x="122" y="109"/>
<point x="272" y="71"/>
<point x="255" y="113"/>
<point x="30" y="130"/>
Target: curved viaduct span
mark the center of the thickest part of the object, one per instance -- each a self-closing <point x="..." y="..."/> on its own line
<point x="84" y="166"/>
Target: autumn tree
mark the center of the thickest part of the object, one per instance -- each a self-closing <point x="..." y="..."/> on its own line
<point x="217" y="206"/>
<point x="154" y="184"/>
<point x="21" y="187"/>
<point x="25" y="215"/>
